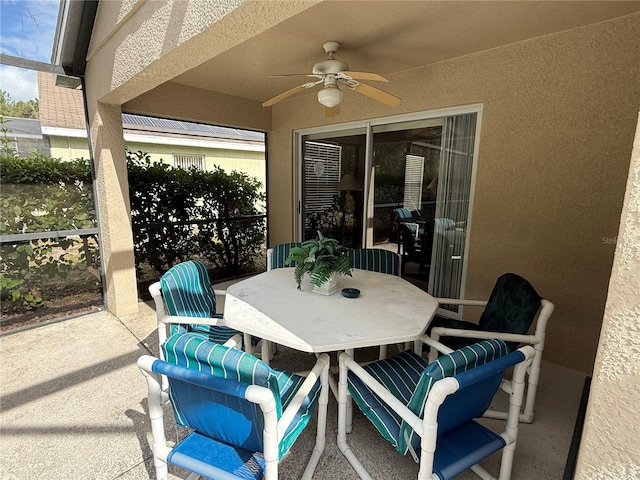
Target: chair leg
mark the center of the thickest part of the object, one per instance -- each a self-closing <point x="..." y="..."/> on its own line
<point x="323" y="403"/>
<point x="266" y="351"/>
<point x="247" y="345"/>
<point x="532" y="385"/>
<point x="482" y="473"/>
<point x="342" y="425"/>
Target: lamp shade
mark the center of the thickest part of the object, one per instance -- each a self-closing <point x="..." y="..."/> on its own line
<point x="330" y="96"/>
<point x="348" y="182"/>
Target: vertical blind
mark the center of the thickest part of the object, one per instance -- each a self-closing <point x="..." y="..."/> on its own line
<point x="413" y="179"/>
<point x="321" y="175"/>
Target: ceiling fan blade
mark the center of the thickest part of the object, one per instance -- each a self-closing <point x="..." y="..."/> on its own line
<point x="284" y="95"/>
<point x="377" y="94"/>
<point x="331" y="112"/>
<point x="366" y="76"/>
<point x="293" y="75"/>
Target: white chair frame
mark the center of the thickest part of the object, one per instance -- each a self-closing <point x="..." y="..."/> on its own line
<point x="164" y="320"/>
<point x="536" y="340"/>
<point x="273" y="428"/>
<point x="427" y="427"/>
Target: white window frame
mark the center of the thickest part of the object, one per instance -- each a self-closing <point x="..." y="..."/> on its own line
<point x="179" y="159"/>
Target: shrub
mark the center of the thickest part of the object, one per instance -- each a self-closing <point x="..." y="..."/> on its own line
<point x="176" y="215"/>
<point x="180" y="214"/>
<point x="42" y="194"/>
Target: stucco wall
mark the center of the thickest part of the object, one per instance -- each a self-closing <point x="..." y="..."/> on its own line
<point x="69" y="148"/>
<point x="609" y="446"/>
<point x="559" y="114"/>
<point x="136" y="46"/>
<point x="171" y="100"/>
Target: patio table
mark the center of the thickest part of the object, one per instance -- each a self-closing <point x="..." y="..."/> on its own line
<point x="389" y="310"/>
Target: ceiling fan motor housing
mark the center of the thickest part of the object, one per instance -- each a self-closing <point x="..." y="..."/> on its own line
<point x="329" y="66"/>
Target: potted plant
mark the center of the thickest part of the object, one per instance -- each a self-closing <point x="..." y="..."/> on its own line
<point x="323" y="259"/>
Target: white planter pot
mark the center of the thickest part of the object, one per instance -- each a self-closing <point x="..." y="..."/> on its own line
<point x="329" y="287"/>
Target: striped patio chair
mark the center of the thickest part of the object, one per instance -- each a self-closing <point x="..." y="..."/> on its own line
<point x="509" y="313"/>
<point x="244" y="415"/>
<point x="403" y="397"/>
<point x="404" y="216"/>
<point x="185" y="301"/>
<point x="375" y="260"/>
<point x="277" y="255"/>
<point x="184" y="294"/>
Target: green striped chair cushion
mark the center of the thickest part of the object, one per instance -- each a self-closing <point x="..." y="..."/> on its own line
<point x="375" y="260"/>
<point x="454" y="363"/>
<point x="279" y="254"/>
<point x="187" y="292"/>
<point x="409" y="378"/>
<point x="400" y="375"/>
<point x="194" y="351"/>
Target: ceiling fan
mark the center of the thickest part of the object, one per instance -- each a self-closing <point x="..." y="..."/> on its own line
<point x="332" y="74"/>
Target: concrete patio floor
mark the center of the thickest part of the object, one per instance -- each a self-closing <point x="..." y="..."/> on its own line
<point x="73" y="407"/>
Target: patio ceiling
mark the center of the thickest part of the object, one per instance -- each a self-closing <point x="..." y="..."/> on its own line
<point x="387" y="37"/>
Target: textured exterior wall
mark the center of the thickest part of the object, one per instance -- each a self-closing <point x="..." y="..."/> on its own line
<point x="609" y="446"/>
<point x="69" y="148"/>
<point x="186" y="103"/>
<point x="136" y="46"/>
<point x="559" y="115"/>
<point x="114" y="215"/>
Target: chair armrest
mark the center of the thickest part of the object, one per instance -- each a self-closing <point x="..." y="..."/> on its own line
<point x="438" y="332"/>
<point x="234" y="342"/>
<point x="318" y="373"/>
<point x="425" y="339"/>
<point x="220" y="293"/>
<point x="191" y="320"/>
<point x="398" y="407"/>
<point x="462" y="301"/>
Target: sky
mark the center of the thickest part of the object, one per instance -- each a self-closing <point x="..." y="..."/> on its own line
<point x="27" y="28"/>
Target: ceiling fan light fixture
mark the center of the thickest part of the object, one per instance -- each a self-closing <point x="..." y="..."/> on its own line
<point x="330" y="96"/>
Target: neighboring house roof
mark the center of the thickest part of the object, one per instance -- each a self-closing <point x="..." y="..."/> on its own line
<point x="158" y="125"/>
<point x="62" y="111"/>
<point x="59" y="107"/>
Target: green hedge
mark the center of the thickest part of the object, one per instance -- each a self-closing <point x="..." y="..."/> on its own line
<point x="164" y="200"/>
<point x="176" y="215"/>
<point x="41" y="194"/>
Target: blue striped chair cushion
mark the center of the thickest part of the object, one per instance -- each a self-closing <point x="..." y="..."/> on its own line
<point x="212" y="459"/>
<point x="409" y="378"/>
<point x="400" y="375"/>
<point x="404" y="214"/>
<point x="454" y="363"/>
<point x="187" y="292"/>
<point x="194" y="351"/>
<point x="375" y="260"/>
<point x="279" y="254"/>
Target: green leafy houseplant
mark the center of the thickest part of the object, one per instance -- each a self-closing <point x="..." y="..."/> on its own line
<point x="319" y="258"/>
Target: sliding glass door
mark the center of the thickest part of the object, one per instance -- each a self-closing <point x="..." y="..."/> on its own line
<point x="406" y="158"/>
<point x="402" y="184"/>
